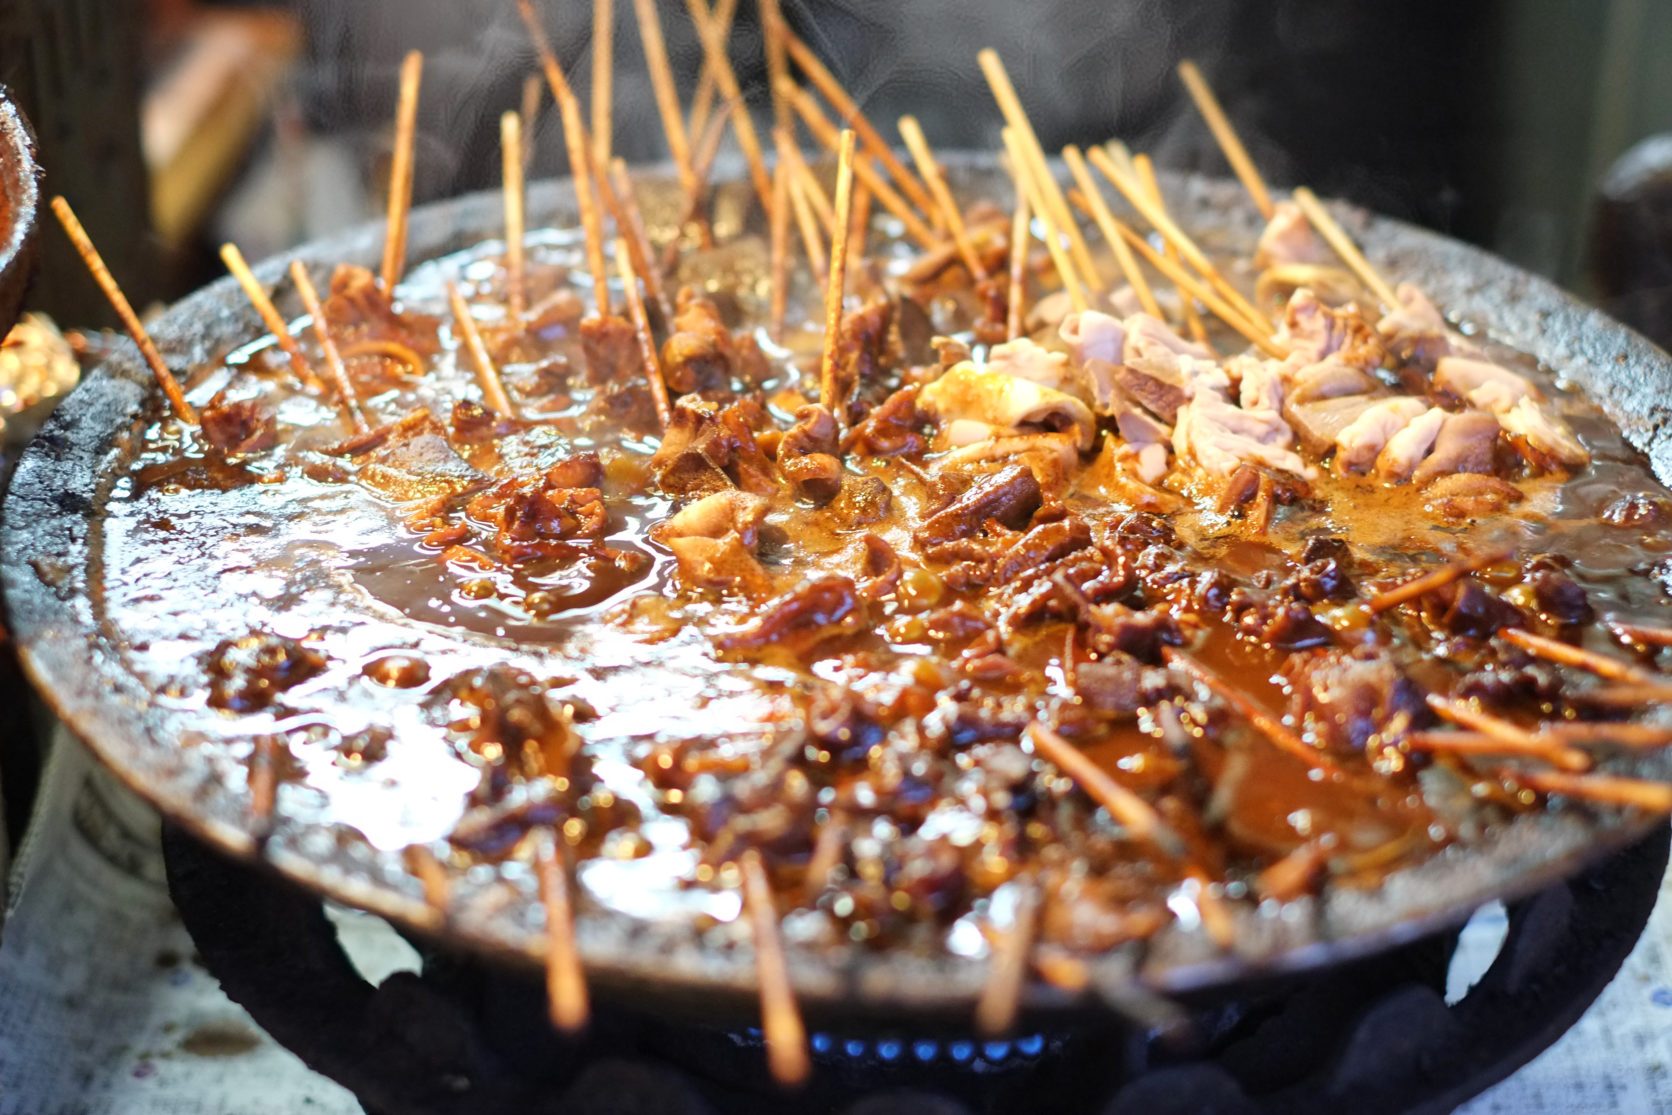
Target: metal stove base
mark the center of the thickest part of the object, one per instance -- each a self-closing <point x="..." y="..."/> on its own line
<point x="1373" y="1036"/>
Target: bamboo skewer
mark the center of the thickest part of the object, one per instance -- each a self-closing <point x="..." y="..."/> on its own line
<point x="1155" y="213"/>
<point x="828" y="134"/>
<point x="580" y="156"/>
<point x="647" y="341"/>
<point x="1652" y="797"/>
<point x="566" y="993"/>
<point x="1019" y="237"/>
<point x="779" y="246"/>
<point x="630" y="218"/>
<point x="667" y="95"/>
<point x="1439" y="578"/>
<point x="1051" y="203"/>
<point x="270" y="317"/>
<point x="773" y="30"/>
<point x="1500" y="740"/>
<point x="1510" y="738"/>
<point x="400" y="171"/>
<point x="333" y="359"/>
<point x="875" y="145"/>
<point x="529" y="114"/>
<point x="1611" y="733"/>
<point x="822" y="207"/>
<point x="603" y="78"/>
<point x="714" y="46"/>
<point x="1129" y="810"/>
<point x="263" y="781"/>
<point x="836" y="285"/>
<point x="1001" y="996"/>
<point x="516" y="271"/>
<point x="702" y="102"/>
<point x="804" y="219"/>
<point x="1642" y="633"/>
<point x="432" y="876"/>
<point x="493" y="389"/>
<point x="859" y="228"/>
<point x="1343" y="245"/>
<point x="1196" y="289"/>
<point x="119" y="302"/>
<point x="1630" y="694"/>
<point x="918" y="144"/>
<point x="1600" y="664"/>
<point x="1271" y="727"/>
<point x="1025" y="184"/>
<point x="1144" y="172"/>
<point x="1226" y="136"/>
<point x="781" y="1025"/>
<point x="1105" y="221"/>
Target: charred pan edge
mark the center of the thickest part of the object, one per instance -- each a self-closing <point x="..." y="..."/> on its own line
<point x="60" y="484"/>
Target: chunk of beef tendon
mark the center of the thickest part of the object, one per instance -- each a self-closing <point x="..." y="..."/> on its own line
<point x="1466" y="607"/>
<point x="1465" y="496"/>
<point x="807" y="455"/>
<point x="1558" y="596"/>
<point x="1113" y="685"/>
<point x="412" y="459"/>
<point x="358" y="310"/>
<point x="1352" y="699"/>
<point x="1010" y="496"/>
<point x="1466" y="443"/>
<point x="866" y="347"/>
<point x="894" y="428"/>
<point x="611" y="347"/>
<point x="1319" y="580"/>
<point x="709" y="447"/>
<point x="1638" y="510"/>
<point x="239" y="428"/>
<point x="699" y="354"/>
<point x="714" y="541"/>
<point x="249" y="673"/>
<point x="991" y="561"/>
<point x="812" y="612"/>
<point x="531" y="516"/>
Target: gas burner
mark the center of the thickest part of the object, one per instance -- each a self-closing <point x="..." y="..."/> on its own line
<point x="1373" y="1035"/>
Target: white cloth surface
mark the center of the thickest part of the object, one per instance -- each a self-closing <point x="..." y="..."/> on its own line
<point x="103" y="1010"/>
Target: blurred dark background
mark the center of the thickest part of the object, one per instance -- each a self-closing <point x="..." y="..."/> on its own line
<point x="173" y="124"/>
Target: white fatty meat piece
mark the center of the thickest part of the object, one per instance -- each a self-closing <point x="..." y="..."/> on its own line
<point x="1405" y="450"/>
<point x="1416" y="316"/>
<point x="1486" y="385"/>
<point x="990" y="396"/>
<point x="1029" y="360"/>
<point x="1289" y="238"/>
<point x="1093" y="336"/>
<point x="1545" y="433"/>
<point x="1365" y="436"/>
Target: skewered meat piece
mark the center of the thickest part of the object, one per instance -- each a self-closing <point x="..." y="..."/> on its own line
<point x="807" y="454"/>
<point x="1466" y="442"/>
<point x="1004" y="402"/>
<point x="1484" y="384"/>
<point x="700" y="354"/>
<point x="1289" y="238"/>
<point x="1405" y="450"/>
<point x="238" y="429"/>
<point x="709" y="447"/>
<point x="358" y="309"/>
<point x="1463" y="495"/>
<point x="249" y="673"/>
<point x="1359" y="442"/>
<point x="1010" y="496"/>
<point x="1352" y="699"/>
<point x="1313" y="331"/>
<point x="714" y="540"/>
<point x="1544" y="439"/>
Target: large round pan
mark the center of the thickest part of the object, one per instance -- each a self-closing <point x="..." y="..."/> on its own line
<point x="52" y="548"/>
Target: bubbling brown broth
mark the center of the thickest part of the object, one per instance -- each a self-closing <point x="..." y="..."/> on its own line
<point x="859" y="716"/>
